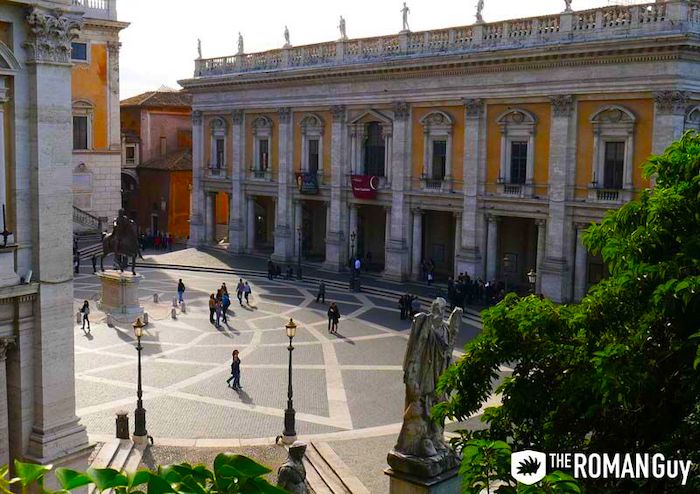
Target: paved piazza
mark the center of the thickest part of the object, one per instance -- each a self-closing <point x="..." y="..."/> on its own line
<point x="345" y="386"/>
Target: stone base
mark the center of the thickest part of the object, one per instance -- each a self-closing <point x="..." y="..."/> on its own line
<point x="402" y="483"/>
<point x="120" y="295"/>
<point x="8" y="277"/>
<point x="421" y="467"/>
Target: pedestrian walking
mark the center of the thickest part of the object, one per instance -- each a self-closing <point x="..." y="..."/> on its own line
<point x="224" y="289"/>
<point x="217" y="311"/>
<point x="225" y="304"/>
<point x="180" y="291"/>
<point x="270" y="269"/>
<point x="239" y="291"/>
<point x="94" y="263"/>
<point x="247" y="291"/>
<point x="85" y="311"/>
<point x="358" y="265"/>
<point x="321" y="295"/>
<point x="333" y="318"/>
<point x="212" y="307"/>
<point x="235" y="371"/>
<point x="402" y="307"/>
<point x="430" y="278"/>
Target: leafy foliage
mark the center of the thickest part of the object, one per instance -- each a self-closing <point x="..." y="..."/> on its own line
<point x="618" y="372"/>
<point x="231" y="474"/>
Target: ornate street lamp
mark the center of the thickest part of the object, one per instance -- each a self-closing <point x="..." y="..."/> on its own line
<point x="353" y="237"/>
<point x="140" y="433"/>
<point x="299" y="230"/>
<point x="289" y="435"/>
<point x="532" y="279"/>
<point x="506" y="270"/>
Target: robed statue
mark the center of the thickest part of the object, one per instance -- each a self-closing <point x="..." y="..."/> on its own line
<point x="292" y="474"/>
<point x="123" y="242"/>
<point x="421" y="449"/>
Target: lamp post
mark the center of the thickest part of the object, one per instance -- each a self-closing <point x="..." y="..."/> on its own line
<point x="289" y="435"/>
<point x="506" y="269"/>
<point x="140" y="433"/>
<point x="353" y="237"/>
<point x="532" y="279"/>
<point x="299" y="230"/>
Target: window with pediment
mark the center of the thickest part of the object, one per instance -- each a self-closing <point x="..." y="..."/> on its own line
<point x="517" y="165"/>
<point x="262" y="137"/>
<point x="692" y="119"/>
<point x="219" y="129"/>
<point x="437" y="148"/>
<point x="312" y="129"/>
<point x="613" y="153"/>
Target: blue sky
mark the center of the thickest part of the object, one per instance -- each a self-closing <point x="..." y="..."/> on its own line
<point x="160" y="45"/>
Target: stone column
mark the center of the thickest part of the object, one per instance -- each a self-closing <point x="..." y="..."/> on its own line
<point x="554" y="274"/>
<point x="297" y="223"/>
<point x="417" y="244"/>
<point x="236" y="233"/>
<point x="669" y="118"/>
<point x="284" y="236"/>
<point x="4" y="408"/>
<point x="56" y="431"/>
<point x="581" y="266"/>
<point x="541" y="246"/>
<point x="209" y="219"/>
<point x="396" y="256"/>
<point x="469" y="256"/>
<point x="250" y="225"/>
<point x="492" y="248"/>
<point x="197" y="217"/>
<point x="337" y="234"/>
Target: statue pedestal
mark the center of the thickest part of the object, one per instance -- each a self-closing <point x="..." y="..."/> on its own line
<point x="8" y="277"/>
<point x="403" y="483"/>
<point x="120" y="295"/>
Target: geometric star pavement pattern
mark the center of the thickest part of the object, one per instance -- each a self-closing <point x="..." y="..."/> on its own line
<point x="345" y="386"/>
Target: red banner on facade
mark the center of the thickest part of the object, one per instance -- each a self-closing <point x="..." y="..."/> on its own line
<point x="364" y="186"/>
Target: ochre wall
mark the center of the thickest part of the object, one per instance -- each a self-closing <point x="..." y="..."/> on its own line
<point x="327" y="138"/>
<point x="179" y="204"/>
<point x="274" y="144"/>
<point x="89" y="83"/>
<point x="221" y="208"/>
<point x="417" y="145"/>
<point x="542" y="112"/>
<point x="643" y="109"/>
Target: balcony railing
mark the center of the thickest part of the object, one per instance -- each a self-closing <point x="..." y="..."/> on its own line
<point x="217" y="172"/>
<point x="610" y="22"/>
<point x="265" y="175"/>
<point x="608" y="195"/>
<point x="98" y="9"/>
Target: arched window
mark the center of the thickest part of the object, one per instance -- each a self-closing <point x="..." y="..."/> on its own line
<point x="312" y="143"/>
<point x="517" y="168"/>
<point x="218" y="145"/>
<point x="692" y="119"/>
<point x="437" y="150"/>
<point x="262" y="144"/>
<point x="374" y="152"/>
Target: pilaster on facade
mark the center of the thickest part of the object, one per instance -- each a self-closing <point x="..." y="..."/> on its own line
<point x="338" y="234"/>
<point x="669" y="118"/>
<point x="197" y="217"/>
<point x="237" y="205"/>
<point x="284" y="236"/>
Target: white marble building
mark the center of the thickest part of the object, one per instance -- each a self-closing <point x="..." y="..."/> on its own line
<point x="37" y="387"/>
<point x="493" y="145"/>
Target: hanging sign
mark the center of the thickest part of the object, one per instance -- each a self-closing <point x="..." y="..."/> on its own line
<point x="307" y="183"/>
<point x="364" y="186"/>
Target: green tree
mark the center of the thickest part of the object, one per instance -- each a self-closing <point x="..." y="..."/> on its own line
<point x="617" y="372"/>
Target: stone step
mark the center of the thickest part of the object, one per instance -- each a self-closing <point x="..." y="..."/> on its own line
<point x="116" y="454"/>
<point x="105" y="454"/>
<point x="326" y="472"/>
<point x="134" y="459"/>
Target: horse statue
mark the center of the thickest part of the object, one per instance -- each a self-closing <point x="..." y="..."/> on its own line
<point x="122" y="242"/>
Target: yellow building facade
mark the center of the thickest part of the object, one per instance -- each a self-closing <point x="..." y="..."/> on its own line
<point x="484" y="149"/>
<point x="96" y="123"/>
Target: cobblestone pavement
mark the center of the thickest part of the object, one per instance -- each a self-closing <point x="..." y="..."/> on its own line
<point x="346" y="386"/>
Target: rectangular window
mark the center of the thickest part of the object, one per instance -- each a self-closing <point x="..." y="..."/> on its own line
<point x="614" y="164"/>
<point x="78" y="51"/>
<point x="518" y="162"/>
<point x="313" y="155"/>
<point x="80" y="132"/>
<point x="439" y="159"/>
<point x="374" y="150"/>
<point x="131" y="154"/>
<point x="263" y="154"/>
<point x="220" y="150"/>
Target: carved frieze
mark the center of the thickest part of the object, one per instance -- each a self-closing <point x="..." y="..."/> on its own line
<point x="401" y="110"/>
<point x="338" y="112"/>
<point x="237" y="116"/>
<point x="474" y="107"/>
<point x="673" y="102"/>
<point x="50" y="36"/>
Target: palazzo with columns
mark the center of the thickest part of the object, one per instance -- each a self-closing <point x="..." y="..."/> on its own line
<point x="486" y="148"/>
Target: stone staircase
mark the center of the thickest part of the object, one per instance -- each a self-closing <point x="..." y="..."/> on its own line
<point x="327" y="474"/>
<point x="120" y="454"/>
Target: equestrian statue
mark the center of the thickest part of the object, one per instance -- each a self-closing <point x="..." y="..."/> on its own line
<point x="122" y="242"/>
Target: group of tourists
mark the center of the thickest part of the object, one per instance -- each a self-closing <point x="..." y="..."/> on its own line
<point x="409" y="306"/>
<point x="157" y="241"/>
<point x="220" y="301"/>
<point x="275" y="271"/>
<point x="466" y="291"/>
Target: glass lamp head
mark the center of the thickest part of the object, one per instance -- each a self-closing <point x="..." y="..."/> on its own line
<point x="291" y="328"/>
<point x="138" y="327"/>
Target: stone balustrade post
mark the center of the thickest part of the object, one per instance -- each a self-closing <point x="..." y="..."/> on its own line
<point x="566" y="22"/>
<point x="477" y="34"/>
<point x="340" y="51"/>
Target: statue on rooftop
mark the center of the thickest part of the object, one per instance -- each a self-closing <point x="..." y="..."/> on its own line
<point x="240" y="43"/>
<point x="286" y="37"/>
<point x="405" y="11"/>
<point x="568" y="6"/>
<point x="341" y="26"/>
<point x="479" y="10"/>
<point x="421" y="449"/>
<point x="199" y="49"/>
